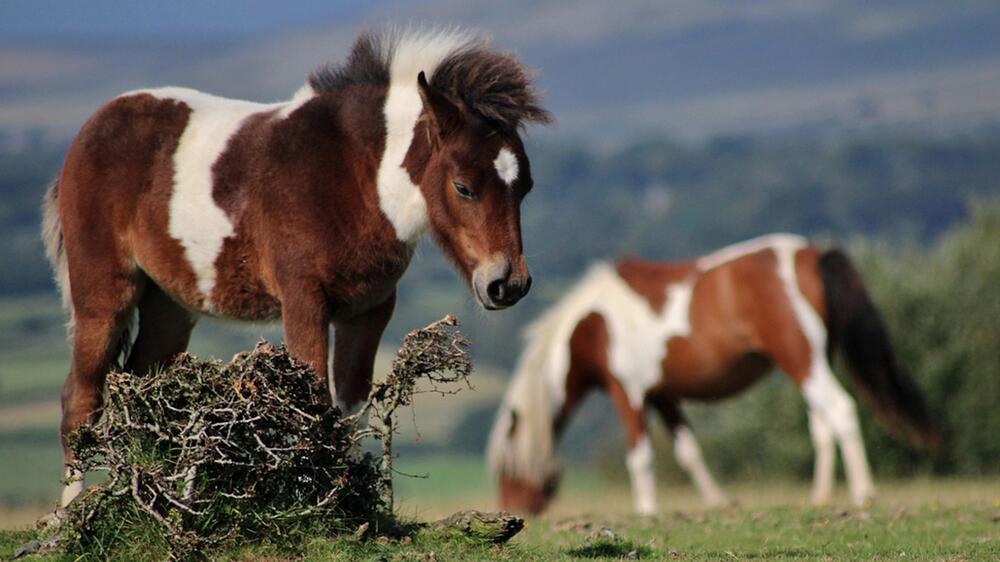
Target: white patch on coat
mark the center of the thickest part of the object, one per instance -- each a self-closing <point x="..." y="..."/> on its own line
<point x="195" y="220"/>
<point x="639" y="461"/>
<point x="821" y="389"/>
<point x="300" y="98"/>
<point x="636" y="332"/>
<point x="747" y="247"/>
<point x="413" y="51"/>
<point x="506" y="165"/>
<point x="822" y="392"/>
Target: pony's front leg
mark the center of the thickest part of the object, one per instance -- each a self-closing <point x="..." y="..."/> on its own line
<point x="639" y="459"/>
<point x="688" y="455"/>
<point x="305" y="317"/>
<point x="355" y="345"/>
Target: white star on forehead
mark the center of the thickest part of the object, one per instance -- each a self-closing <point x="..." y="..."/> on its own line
<point x="506" y="165"/>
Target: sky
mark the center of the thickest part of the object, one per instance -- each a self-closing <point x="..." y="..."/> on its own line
<point x="685" y="69"/>
<point x="123" y="18"/>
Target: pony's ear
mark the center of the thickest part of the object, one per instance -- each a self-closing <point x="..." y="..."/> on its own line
<point x="444" y="117"/>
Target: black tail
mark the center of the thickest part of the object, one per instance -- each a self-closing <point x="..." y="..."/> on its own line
<point x="855" y="327"/>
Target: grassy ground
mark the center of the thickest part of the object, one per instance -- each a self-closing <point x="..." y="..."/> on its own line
<point x="920" y="520"/>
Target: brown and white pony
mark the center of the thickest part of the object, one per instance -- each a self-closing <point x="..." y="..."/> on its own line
<point x="651" y="334"/>
<point x="173" y="203"/>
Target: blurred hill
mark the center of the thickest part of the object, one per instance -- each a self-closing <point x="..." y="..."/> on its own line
<point x="654" y="198"/>
<point x="683" y="126"/>
<point x="686" y="68"/>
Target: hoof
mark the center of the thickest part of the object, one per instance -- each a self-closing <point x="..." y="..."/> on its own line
<point x="721" y="501"/>
<point x="866" y="500"/>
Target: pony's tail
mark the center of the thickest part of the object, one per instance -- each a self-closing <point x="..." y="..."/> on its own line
<point x="856" y="328"/>
<point x="55" y="249"/>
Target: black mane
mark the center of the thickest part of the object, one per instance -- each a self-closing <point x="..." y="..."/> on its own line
<point x="493" y="84"/>
<point x="368" y="63"/>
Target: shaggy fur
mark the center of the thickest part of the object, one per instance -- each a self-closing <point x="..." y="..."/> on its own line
<point x="493" y="84"/>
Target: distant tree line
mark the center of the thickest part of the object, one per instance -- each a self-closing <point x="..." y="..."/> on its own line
<point x="921" y="215"/>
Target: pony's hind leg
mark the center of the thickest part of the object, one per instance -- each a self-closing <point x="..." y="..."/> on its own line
<point x="796" y="341"/>
<point x="825" y="449"/>
<point x="687" y="452"/>
<point x="100" y="328"/>
<point x="164" y="331"/>
<point x="830" y="401"/>
<point x="834" y="412"/>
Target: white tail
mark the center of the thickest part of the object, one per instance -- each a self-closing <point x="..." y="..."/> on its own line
<point x="52" y="237"/>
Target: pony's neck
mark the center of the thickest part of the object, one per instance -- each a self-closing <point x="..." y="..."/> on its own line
<point x="418" y="156"/>
<point x="400" y="147"/>
<point x="522" y="442"/>
<point x="403" y="162"/>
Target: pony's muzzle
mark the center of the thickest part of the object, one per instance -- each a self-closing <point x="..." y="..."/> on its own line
<point x="497" y="285"/>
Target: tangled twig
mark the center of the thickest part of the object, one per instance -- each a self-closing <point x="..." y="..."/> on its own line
<point x="212" y="453"/>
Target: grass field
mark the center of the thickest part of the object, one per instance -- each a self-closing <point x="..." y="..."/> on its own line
<point x="912" y="520"/>
<point x="920" y="520"/>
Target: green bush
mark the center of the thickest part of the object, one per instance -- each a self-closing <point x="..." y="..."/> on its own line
<point x="943" y="308"/>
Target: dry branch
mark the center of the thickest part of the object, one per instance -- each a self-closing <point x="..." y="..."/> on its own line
<point x="252" y="450"/>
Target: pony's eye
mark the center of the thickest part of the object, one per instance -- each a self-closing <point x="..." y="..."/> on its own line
<point x="462" y="190"/>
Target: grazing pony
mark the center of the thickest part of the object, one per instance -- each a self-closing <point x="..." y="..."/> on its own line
<point x="174" y="203"/>
<point x="651" y="334"/>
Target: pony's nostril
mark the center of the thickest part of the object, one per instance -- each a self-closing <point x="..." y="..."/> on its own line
<point x="496" y="290"/>
<point x="527" y="286"/>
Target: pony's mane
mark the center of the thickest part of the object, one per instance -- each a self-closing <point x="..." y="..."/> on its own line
<point x="529" y="451"/>
<point x="491" y="83"/>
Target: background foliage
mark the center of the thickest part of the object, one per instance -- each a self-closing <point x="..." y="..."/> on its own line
<point x="920" y="215"/>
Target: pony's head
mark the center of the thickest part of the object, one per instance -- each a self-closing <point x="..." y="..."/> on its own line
<point x="521" y="453"/>
<point x="522" y="460"/>
<point x="477" y="172"/>
<point x="524" y="496"/>
<point x="453" y="111"/>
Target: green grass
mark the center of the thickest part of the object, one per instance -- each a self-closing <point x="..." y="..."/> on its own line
<point x="433" y="486"/>
<point x="919" y="520"/>
<point x="911" y="520"/>
<point x="913" y="526"/>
